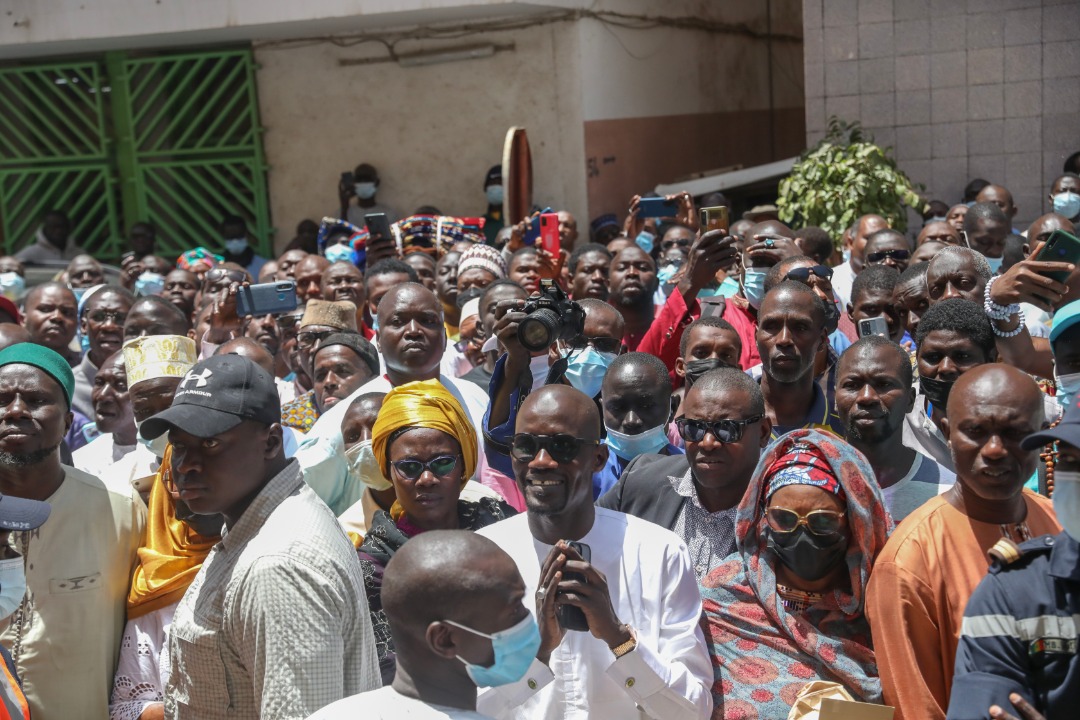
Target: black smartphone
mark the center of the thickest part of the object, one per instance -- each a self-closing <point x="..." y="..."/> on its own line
<point x="377" y="224"/>
<point x="272" y="298"/>
<point x="569" y="616"/>
<point x="347" y="180"/>
<point x="874" y="326"/>
<point x="658" y="207"/>
<point x="1060" y="247"/>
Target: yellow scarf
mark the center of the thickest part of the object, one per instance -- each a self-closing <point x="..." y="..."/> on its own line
<point x="172" y="555"/>
<point x="426" y="404"/>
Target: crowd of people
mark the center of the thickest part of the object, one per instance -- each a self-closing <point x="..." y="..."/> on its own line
<point x="666" y="472"/>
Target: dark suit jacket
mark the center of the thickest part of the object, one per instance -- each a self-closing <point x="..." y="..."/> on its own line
<point x="644" y="491"/>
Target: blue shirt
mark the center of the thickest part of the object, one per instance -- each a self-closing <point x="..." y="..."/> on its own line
<point x="1020" y="634"/>
<point x="604" y="479"/>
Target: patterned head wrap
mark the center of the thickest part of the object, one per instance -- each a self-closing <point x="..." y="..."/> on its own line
<point x="484" y="257"/>
<point x="191" y="258"/>
<point x="426" y="404"/>
<point x="435" y="234"/>
<point x="802" y="464"/>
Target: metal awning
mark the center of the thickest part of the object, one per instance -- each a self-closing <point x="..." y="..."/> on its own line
<point x="730" y="179"/>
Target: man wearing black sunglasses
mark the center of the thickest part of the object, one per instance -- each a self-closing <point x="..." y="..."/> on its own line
<point x="643" y="652"/>
<point x="888" y="247"/>
<point x="724" y="427"/>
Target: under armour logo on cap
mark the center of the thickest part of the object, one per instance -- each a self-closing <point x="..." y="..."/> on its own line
<point x="200" y="378"/>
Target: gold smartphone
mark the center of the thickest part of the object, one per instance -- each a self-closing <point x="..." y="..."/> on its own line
<point x="714" y="218"/>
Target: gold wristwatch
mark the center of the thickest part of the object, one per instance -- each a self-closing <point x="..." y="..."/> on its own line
<point x="620" y="650"/>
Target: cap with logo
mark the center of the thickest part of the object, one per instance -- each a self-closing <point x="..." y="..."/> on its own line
<point x="22" y="514"/>
<point x="215" y="396"/>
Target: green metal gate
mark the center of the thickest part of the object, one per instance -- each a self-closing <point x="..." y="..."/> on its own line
<point x="173" y="139"/>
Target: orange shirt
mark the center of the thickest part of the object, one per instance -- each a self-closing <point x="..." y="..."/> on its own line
<point x="918" y="590"/>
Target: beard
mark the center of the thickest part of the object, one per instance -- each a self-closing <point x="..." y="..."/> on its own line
<point x="27" y="459"/>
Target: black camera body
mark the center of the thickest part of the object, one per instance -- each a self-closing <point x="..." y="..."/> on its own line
<point x="551" y="316"/>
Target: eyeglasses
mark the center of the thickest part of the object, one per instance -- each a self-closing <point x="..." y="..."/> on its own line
<point x="412" y="469"/>
<point x="803" y="274"/>
<point x="677" y="242"/>
<point x="216" y="275"/>
<point x="880" y="256"/>
<point x="100" y="317"/>
<point x="561" y="447"/>
<point x="600" y="344"/>
<point x="819" y="522"/>
<point x="725" y="431"/>
<point x="310" y="338"/>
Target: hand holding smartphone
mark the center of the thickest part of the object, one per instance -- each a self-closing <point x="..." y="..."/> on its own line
<point x="272" y="298"/>
<point x="572" y="617"/>
<point x="714" y="218"/>
<point x="549" y="233"/>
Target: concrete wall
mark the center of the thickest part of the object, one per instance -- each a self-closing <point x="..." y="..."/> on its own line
<point x="667" y="103"/>
<point x="983" y="88"/>
<point x="432" y="131"/>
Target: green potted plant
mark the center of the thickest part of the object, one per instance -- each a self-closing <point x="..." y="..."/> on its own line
<point x="843" y="177"/>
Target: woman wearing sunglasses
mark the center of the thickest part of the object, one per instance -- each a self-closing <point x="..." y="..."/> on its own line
<point x="426" y="447"/>
<point x="787" y="608"/>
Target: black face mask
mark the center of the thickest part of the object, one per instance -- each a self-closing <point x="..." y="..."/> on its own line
<point x="809" y="556"/>
<point x="696" y="368"/>
<point x="936" y="391"/>
<point x="832" y="316"/>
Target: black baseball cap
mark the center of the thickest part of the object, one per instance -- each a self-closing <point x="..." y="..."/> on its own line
<point x="22" y="514"/>
<point x="215" y="396"/>
<point x="1067" y="431"/>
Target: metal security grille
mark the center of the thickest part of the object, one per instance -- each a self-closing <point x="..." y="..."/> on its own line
<point x="53" y="154"/>
<point x="173" y="139"/>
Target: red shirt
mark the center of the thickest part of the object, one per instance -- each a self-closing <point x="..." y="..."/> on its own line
<point x="664" y="335"/>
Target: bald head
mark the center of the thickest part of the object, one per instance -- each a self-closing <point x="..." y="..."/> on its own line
<point x="864" y="227"/>
<point x="245" y="347"/>
<point x="454" y="574"/>
<point x="940" y="231"/>
<point x="12" y="334"/>
<point x="996" y="383"/>
<point x="1040" y="230"/>
<point x="409" y="293"/>
<point x="563" y="405"/>
<point x="1000" y="196"/>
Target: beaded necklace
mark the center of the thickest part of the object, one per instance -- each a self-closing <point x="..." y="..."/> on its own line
<point x="797" y="600"/>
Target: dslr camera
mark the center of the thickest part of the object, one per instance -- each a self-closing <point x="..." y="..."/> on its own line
<point x="551" y="316"/>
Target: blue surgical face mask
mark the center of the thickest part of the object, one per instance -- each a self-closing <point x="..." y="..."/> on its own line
<point x="753" y="284"/>
<point x="235" y="246"/>
<point x="934" y="218"/>
<point x="12" y="285"/>
<point x="365" y="190"/>
<point x="995" y="263"/>
<point x="709" y="292"/>
<point x="157" y="445"/>
<point x="645" y="241"/>
<point x="587" y="368"/>
<point x="79" y="292"/>
<point x="515" y="648"/>
<point x="494" y="194"/>
<point x="629" y="447"/>
<point x="1067" y="204"/>
<point x="666" y="272"/>
<point x="149" y="283"/>
<point x="340" y="252"/>
<point x="1067" y="502"/>
<point x="1068" y="388"/>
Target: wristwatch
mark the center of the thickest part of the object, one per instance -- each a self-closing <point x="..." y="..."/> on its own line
<point x="620" y="650"/>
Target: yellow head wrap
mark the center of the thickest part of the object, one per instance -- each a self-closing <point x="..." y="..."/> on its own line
<point x="171" y="555"/>
<point x="426" y="404"/>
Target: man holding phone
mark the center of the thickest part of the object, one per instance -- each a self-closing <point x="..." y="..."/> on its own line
<point x="633" y="587"/>
<point x="362" y="184"/>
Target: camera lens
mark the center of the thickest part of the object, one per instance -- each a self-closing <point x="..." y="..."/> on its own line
<point x="539" y="329"/>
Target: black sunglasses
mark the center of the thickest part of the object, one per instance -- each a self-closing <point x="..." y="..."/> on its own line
<point x="562" y="448"/>
<point x="803" y="274"/>
<point x="439" y="466"/>
<point x="725" y="431"/>
<point x="881" y="255"/>
<point x="218" y="274"/>
<point x="600" y="344"/>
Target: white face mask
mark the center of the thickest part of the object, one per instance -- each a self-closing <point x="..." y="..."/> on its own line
<point x="364" y="467"/>
<point x="1066" y="502"/>
<point x="12" y="585"/>
<point x="1068" y="388"/>
<point x="365" y="190"/>
<point x="235" y="246"/>
<point x="538" y="366"/>
<point x="157" y="445"/>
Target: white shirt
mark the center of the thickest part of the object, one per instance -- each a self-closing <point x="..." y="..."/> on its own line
<point x="843" y="277"/>
<point x="388" y="704"/>
<point x="924" y="480"/>
<point x="100" y="453"/>
<point x="652" y="588"/>
<point x="143" y="668"/>
<point x="322" y="452"/>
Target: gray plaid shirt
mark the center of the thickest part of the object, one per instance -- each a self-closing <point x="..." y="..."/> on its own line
<point x="276" y="623"/>
<point x="710" y="537"/>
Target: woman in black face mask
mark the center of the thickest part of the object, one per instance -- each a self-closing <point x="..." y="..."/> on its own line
<point x="787" y="609"/>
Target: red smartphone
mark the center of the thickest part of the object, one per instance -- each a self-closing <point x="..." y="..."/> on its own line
<point x="549" y="233"/>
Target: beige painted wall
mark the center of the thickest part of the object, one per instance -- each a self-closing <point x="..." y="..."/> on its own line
<point x="432" y="131"/>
